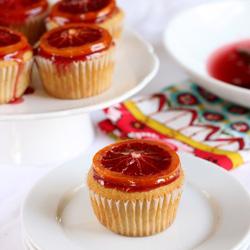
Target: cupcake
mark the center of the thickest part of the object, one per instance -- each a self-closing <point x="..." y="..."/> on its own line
<point x="135" y="187"/>
<point x="103" y="13"/>
<point x="76" y="61"/>
<point x="26" y="16"/>
<point x="16" y="57"/>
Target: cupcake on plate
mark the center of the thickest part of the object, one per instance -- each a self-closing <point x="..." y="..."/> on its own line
<point x="26" y="16"/>
<point x="135" y="187"/>
<point x="103" y="13"/>
<point x="16" y="57"/>
<point x="76" y="61"/>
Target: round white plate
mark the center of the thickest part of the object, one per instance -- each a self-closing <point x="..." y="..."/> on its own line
<point x="136" y="65"/>
<point x="213" y="213"/>
<point x="194" y="34"/>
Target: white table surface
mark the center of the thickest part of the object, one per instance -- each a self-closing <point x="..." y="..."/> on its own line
<point x="149" y="19"/>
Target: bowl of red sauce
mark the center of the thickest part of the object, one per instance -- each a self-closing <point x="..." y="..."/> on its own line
<point x="211" y="42"/>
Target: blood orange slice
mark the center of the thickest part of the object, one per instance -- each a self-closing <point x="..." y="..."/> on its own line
<point x="17" y="11"/>
<point x="11" y="41"/>
<point x="137" y="163"/>
<point x="83" y="10"/>
<point x="75" y="40"/>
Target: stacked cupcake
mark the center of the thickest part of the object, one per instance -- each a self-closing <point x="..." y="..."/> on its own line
<point x="103" y="13"/>
<point x="26" y="16"/>
<point x="76" y="61"/>
<point x="75" y="57"/>
<point x="16" y="57"/>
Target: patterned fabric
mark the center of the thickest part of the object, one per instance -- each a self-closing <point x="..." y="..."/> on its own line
<point x="187" y="118"/>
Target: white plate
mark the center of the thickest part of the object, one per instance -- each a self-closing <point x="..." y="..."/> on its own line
<point x="194" y="34"/>
<point x="27" y="244"/>
<point x="213" y="213"/>
<point x="136" y="65"/>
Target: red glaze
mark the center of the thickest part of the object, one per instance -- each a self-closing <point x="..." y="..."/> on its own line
<point x="136" y="165"/>
<point x="131" y="188"/>
<point x="16" y="12"/>
<point x="73" y="42"/>
<point x="231" y="64"/>
<point x="13" y="45"/>
<point x="73" y="11"/>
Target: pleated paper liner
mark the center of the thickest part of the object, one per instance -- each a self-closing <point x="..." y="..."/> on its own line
<point x="151" y="214"/>
<point x="79" y="79"/>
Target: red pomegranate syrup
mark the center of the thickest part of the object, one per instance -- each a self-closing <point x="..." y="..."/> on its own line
<point x="231" y="64"/>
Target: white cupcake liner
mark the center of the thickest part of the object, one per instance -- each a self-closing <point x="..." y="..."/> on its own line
<point x="79" y="79"/>
<point x="10" y="86"/>
<point x="139" y="217"/>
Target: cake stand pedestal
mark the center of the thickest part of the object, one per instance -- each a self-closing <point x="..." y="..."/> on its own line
<point x="45" y="141"/>
<point x="43" y="129"/>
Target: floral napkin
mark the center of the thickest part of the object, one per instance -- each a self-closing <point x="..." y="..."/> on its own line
<point x="188" y="119"/>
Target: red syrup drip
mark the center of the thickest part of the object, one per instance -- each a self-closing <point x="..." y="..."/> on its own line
<point x="231" y="64"/>
<point x="62" y="63"/>
<point x="17" y="57"/>
<point x="19" y="72"/>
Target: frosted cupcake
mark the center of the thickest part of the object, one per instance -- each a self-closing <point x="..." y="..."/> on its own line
<point x="76" y="61"/>
<point x="26" y="16"/>
<point x="135" y="187"/>
<point x="103" y="13"/>
<point x="16" y="57"/>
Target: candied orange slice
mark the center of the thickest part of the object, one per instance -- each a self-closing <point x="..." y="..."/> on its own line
<point x="11" y="41"/>
<point x="137" y="163"/>
<point x="75" y="40"/>
<point x="83" y="10"/>
<point x="17" y="11"/>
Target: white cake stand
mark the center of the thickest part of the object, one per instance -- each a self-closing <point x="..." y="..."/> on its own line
<point x="43" y="129"/>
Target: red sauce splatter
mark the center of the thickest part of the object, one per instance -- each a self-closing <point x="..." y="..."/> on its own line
<point x="231" y="64"/>
<point x="29" y="91"/>
<point x="16" y="100"/>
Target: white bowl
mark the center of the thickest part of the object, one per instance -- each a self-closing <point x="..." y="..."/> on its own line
<point x="194" y="34"/>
